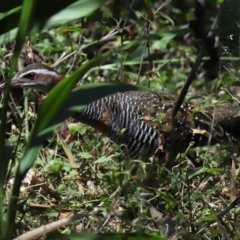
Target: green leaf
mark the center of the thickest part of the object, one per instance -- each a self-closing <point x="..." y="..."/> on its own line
<point x="73" y="128"/>
<point x="85" y="155"/>
<point x="167" y="18"/>
<point x="62" y="187"/>
<point x="194" y="172"/>
<point x="64" y="10"/>
<point x="103" y="159"/>
<point x="55" y="166"/>
<point x="74" y="11"/>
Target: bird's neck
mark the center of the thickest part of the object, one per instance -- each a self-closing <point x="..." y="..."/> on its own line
<point x="54" y="81"/>
<point x="48" y="80"/>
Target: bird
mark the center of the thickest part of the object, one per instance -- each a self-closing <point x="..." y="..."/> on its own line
<point x="141" y="121"/>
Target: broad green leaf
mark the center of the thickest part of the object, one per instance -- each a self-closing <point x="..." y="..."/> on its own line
<point x="6" y="228"/>
<point x="74" y="11"/>
<point x="53" y="15"/>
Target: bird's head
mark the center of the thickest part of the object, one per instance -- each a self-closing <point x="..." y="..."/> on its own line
<point x="36" y="76"/>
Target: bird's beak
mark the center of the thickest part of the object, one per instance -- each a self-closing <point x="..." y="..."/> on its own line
<point x="19" y="82"/>
<point x="15" y="83"/>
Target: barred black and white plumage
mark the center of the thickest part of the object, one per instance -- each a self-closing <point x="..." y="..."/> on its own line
<point x="143" y="120"/>
<point x="146" y="121"/>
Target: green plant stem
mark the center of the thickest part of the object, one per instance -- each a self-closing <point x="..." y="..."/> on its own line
<point x="24" y="26"/>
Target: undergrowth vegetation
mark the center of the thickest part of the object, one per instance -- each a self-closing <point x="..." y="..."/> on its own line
<point x="61" y="179"/>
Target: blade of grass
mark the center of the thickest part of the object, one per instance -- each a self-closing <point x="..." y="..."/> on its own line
<point x="24" y="26"/>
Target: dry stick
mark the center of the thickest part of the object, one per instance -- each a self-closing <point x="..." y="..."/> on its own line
<point x="163" y="5"/>
<point x="182" y="95"/>
<point x="43" y="230"/>
<point x="190" y="79"/>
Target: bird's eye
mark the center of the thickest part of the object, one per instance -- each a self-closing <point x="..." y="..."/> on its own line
<point x="30" y="75"/>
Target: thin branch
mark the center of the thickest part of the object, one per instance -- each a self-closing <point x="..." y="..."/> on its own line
<point x="192" y="76"/>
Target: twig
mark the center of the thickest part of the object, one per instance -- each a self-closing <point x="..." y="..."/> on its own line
<point x="191" y="77"/>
